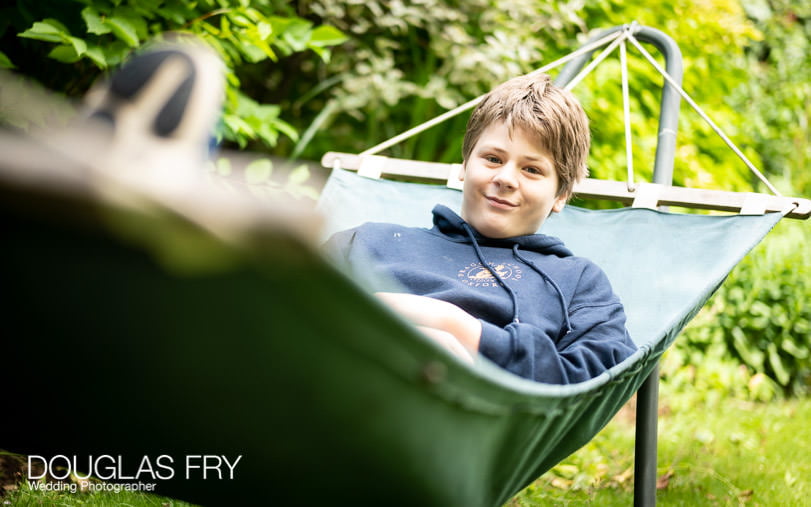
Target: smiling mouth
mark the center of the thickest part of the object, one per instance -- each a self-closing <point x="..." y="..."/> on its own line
<point x="500" y="203"/>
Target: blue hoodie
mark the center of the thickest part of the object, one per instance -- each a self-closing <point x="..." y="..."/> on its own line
<point x="546" y="314"/>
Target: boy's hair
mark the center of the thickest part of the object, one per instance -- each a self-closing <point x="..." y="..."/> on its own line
<point x="549" y="113"/>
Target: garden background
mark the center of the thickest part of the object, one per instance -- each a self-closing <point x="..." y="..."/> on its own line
<point x="306" y="77"/>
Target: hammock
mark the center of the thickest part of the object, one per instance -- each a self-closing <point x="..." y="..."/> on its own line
<point x="139" y="324"/>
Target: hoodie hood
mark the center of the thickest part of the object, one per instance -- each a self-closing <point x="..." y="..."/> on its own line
<point x="453" y="226"/>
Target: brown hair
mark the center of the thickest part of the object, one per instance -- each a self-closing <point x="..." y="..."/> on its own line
<point x="549" y="113"/>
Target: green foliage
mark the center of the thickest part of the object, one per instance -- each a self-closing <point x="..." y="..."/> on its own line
<point x="95" y="35"/>
<point x="777" y="97"/>
<point x="714" y="64"/>
<point x="406" y="64"/>
<point x="759" y="318"/>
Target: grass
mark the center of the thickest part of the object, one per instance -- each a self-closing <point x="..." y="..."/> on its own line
<point x="718" y="452"/>
<point x="731" y="452"/>
<point x="24" y="497"/>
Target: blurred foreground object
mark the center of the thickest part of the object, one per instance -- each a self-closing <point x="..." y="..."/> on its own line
<point x="138" y="146"/>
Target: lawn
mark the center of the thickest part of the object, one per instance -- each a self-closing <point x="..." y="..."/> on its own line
<point x="727" y="452"/>
<point x="721" y="452"/>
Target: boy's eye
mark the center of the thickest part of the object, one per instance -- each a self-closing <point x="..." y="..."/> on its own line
<point x="533" y="170"/>
<point x="492" y="159"/>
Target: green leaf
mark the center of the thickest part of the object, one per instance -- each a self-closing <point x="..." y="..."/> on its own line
<point x="240" y="20"/>
<point x="134" y="18"/>
<point x="746" y="349"/>
<point x="296" y="33"/>
<point x="95" y="24"/>
<point x="79" y="45"/>
<point x="5" y="62"/>
<point x="115" y="52"/>
<point x="264" y="29"/>
<point x="323" y="53"/>
<point x="48" y="30"/>
<point x="225" y="26"/>
<point x="326" y="35"/>
<point x="238" y="125"/>
<point x="286" y="129"/>
<point x="64" y="54"/>
<point x="47" y="37"/>
<point x="174" y="13"/>
<point x="777" y="365"/>
<point x="255" y="54"/>
<point x="795" y="350"/>
<point x="299" y="175"/>
<point x="124" y="30"/>
<point x="213" y="30"/>
<point x="223" y="166"/>
<point x="258" y="171"/>
<point x="57" y="24"/>
<point x="146" y="8"/>
<point x="96" y="54"/>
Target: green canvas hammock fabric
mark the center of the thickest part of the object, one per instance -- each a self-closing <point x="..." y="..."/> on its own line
<point x="278" y="357"/>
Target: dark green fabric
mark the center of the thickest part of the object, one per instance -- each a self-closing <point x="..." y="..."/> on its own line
<point x="275" y="355"/>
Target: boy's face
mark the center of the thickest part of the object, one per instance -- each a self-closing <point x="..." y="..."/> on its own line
<point x="510" y="184"/>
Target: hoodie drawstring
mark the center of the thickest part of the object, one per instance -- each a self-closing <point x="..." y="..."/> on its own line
<point x="566" y="323"/>
<point x="567" y="326"/>
<point x="492" y="271"/>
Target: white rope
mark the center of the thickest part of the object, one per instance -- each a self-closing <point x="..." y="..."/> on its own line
<point x="473" y="103"/>
<point x="626" y="112"/>
<point x="703" y="115"/>
<point x="623" y="34"/>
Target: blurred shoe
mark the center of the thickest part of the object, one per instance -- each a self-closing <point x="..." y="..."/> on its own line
<point x="157" y="115"/>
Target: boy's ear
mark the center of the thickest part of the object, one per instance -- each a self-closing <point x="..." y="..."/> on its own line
<point x="462" y="171"/>
<point x="560" y="203"/>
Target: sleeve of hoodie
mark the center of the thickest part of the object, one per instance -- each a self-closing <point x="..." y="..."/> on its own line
<point x="346" y="251"/>
<point x="597" y="341"/>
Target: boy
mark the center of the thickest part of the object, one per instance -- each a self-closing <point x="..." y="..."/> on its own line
<point x="483" y="282"/>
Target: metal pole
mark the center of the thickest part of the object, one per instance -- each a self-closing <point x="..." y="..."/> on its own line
<point x="647" y="401"/>
<point x="645" y="443"/>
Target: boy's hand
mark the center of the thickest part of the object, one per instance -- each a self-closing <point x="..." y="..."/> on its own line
<point x="438" y="319"/>
<point x="448" y="341"/>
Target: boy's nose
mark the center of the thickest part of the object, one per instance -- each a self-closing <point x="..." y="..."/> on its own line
<point x="506" y="176"/>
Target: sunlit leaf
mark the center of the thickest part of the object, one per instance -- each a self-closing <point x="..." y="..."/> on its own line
<point x="326" y="35"/>
<point x="124" y="29"/>
<point x="258" y="171"/>
<point x="5" y="62"/>
<point x="299" y="175"/>
<point x="48" y="30"/>
<point x="95" y="24"/>
<point x="64" y="54"/>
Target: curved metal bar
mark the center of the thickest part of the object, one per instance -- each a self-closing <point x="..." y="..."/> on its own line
<point x="669" y="106"/>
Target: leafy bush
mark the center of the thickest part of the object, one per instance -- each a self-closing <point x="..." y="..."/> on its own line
<point x="760" y="318"/>
<point x="777" y="96"/>
<point x="408" y="62"/>
<point x="405" y="64"/>
<point x="90" y="36"/>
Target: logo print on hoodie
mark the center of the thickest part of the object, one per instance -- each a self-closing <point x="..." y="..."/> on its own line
<point x="476" y="275"/>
